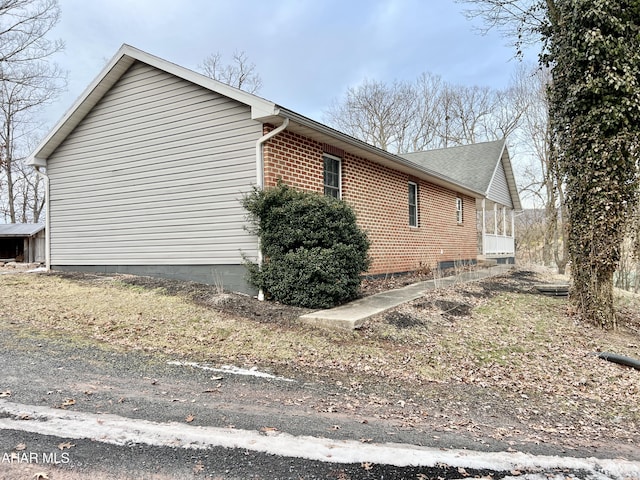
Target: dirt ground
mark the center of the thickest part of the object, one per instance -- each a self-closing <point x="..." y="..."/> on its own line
<point x="457" y="364"/>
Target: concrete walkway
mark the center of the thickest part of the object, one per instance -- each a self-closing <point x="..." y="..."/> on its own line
<point x="352" y="315"/>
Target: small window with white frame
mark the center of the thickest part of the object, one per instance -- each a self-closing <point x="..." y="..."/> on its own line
<point x="332" y="176"/>
<point x="459" y="205"/>
<point x="413" y="204"/>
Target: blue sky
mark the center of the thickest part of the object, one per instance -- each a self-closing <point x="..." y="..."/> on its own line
<point x="308" y="52"/>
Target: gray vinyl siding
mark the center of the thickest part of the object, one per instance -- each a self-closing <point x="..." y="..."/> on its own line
<point x="499" y="188"/>
<point x="154" y="176"/>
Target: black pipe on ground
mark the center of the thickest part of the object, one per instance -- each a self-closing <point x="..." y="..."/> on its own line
<point x="620" y="359"/>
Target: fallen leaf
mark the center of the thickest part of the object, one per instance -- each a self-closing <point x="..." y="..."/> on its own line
<point x="24" y="416"/>
<point x="64" y="445"/>
<point x="41" y="476"/>
<point x="20" y="447"/>
<point x="462" y="472"/>
<point x="189" y="418"/>
<point x="268" y="430"/>
<point x="68" y="402"/>
<point x="366" y="465"/>
<point x="5" y="394"/>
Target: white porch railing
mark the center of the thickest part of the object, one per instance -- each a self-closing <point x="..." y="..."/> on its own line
<point x="498" y="245"/>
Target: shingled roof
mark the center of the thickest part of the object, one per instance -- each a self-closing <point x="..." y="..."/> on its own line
<point x="474" y="166"/>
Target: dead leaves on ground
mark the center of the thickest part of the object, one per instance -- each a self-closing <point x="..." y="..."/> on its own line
<point x="269" y="431"/>
<point x="69" y="402"/>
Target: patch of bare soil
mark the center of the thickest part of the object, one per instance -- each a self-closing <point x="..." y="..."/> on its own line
<point x="209" y="296"/>
<point x="236" y="304"/>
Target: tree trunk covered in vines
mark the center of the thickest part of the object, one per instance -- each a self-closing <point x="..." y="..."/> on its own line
<point x="594" y="52"/>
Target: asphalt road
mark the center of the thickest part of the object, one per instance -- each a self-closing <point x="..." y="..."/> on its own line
<point x="73" y="409"/>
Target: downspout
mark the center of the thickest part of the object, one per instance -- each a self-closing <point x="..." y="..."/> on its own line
<point x="260" y="177"/>
<point x="259" y="153"/>
<point x="47" y="229"/>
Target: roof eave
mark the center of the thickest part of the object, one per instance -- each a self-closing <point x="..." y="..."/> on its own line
<point x="111" y="73"/>
<point x="261" y="110"/>
<point x="358" y="147"/>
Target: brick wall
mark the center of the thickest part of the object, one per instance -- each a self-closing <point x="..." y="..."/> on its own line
<point x="379" y="196"/>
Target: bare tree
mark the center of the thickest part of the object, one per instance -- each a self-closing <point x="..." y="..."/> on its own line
<point x="428" y="113"/>
<point x="470" y="112"/>
<point x="530" y="227"/>
<point x="593" y="50"/>
<point x="429" y="91"/>
<point x="544" y="179"/>
<point x="240" y="73"/>
<point x="28" y="80"/>
<point x="519" y="21"/>
<point x="376" y="113"/>
<point x="24" y="26"/>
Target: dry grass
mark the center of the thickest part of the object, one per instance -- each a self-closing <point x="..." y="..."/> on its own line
<point x="492" y="336"/>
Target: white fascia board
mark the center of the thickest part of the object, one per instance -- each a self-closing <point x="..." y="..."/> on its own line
<point x="83" y="104"/>
<point x="495" y="168"/>
<point x="36" y="162"/>
<point x="260" y="106"/>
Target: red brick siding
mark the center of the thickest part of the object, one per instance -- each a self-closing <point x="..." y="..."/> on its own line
<point x="379" y="196"/>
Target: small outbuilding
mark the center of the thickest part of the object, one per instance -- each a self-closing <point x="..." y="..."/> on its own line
<point x="22" y="242"/>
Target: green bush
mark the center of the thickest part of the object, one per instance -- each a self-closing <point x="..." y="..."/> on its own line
<point x="314" y="252"/>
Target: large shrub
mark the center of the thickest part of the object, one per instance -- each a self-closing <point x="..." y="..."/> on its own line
<point x="314" y="252"/>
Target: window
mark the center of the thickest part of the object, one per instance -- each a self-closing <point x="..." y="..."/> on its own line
<point x="413" y="204"/>
<point x="332" y="176"/>
<point x="459" y="210"/>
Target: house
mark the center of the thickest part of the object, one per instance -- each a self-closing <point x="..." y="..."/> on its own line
<point x="145" y="173"/>
<point x="484" y="167"/>
<point x="22" y="242"/>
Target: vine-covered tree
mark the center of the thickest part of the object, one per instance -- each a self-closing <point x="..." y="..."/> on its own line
<point x="594" y="51"/>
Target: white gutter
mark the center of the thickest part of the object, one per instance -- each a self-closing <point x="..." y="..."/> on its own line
<point x="260" y="177"/>
<point x="259" y="153"/>
<point x="47" y="228"/>
<point x="391" y="157"/>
